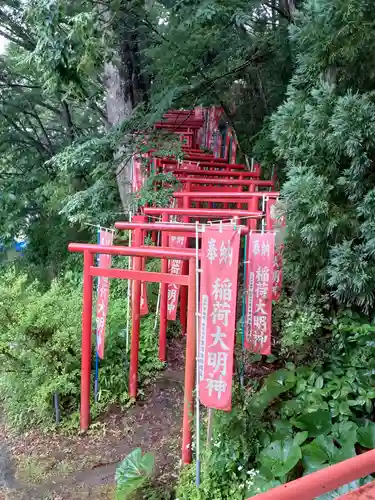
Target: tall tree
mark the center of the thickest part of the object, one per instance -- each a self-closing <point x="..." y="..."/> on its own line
<point x="325" y="134"/>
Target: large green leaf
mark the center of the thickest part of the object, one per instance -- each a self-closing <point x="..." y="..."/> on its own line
<point x="322" y="452"/>
<point x="277" y="383"/>
<point x="283" y="429"/>
<point x="318" y="453"/>
<point x="345" y="432"/>
<point x="280" y="457"/>
<point x="133" y="471"/>
<point x="366" y="435"/>
<point x="316" y="423"/>
<point x="300" y="437"/>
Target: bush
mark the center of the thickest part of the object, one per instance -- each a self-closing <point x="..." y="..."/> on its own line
<point x="226" y="464"/>
<point x="299" y="418"/>
<point x="300" y="327"/>
<point x="40" y="349"/>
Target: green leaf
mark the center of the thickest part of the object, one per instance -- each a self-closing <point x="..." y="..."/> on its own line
<point x="280" y="457"/>
<point x="277" y="383"/>
<point x="344" y="453"/>
<point x="366" y="435"/>
<point x="316" y="423"/>
<point x="319" y="382"/>
<point x="344" y="408"/>
<point x="133" y="471"/>
<point x="319" y="451"/>
<point x="300" y="437"/>
<point x="283" y="429"/>
<point x="345" y="432"/>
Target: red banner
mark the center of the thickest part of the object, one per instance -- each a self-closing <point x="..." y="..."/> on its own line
<point x="258" y="319"/>
<point x="138" y="176"/>
<point x="175" y="267"/>
<point x="233" y="152"/>
<point x="218" y="299"/>
<point x="271" y="223"/>
<point x="214" y="115"/>
<point x="106" y="238"/>
<point x="144" y="304"/>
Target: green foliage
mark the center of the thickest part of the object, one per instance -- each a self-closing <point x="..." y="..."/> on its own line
<point x="324" y="134"/>
<point x="40" y="345"/>
<point x="226" y="466"/>
<point x="301" y="419"/>
<point x="159" y="196"/>
<point x="234" y="54"/>
<point x="300" y="326"/>
<point x="132" y="473"/>
<point x="353" y="341"/>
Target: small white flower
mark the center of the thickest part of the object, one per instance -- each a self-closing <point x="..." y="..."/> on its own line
<point x="240" y="467"/>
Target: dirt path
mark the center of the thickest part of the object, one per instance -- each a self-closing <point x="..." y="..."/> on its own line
<point x="37" y="467"/>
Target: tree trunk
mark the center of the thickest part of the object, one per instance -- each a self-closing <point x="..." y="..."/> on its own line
<point x="126" y="87"/>
<point x="119" y="109"/>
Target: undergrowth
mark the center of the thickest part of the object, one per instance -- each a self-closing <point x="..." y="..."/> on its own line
<point x="40" y="350"/>
<point x="314" y="410"/>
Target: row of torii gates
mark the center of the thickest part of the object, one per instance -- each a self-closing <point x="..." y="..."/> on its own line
<point x="212" y="189"/>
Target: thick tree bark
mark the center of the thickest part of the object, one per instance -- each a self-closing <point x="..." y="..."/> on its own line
<point x="119" y="108"/>
<point x="126" y="88"/>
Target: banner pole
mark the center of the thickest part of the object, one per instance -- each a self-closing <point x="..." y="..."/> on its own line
<point x="158" y="299"/>
<point x="264" y="214"/>
<point x="209" y="427"/>
<point x="129" y="291"/>
<point x="244" y="295"/>
<point x="197" y="339"/>
<point x="96" y="379"/>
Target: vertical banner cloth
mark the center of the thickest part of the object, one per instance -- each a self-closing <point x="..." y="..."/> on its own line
<point x="258" y="318"/>
<point x="271" y="224"/>
<point x="106" y="238"/>
<point x="218" y="299"/>
<point x="233" y="150"/>
<point x="212" y="131"/>
<point x="144" y="304"/>
<point x="138" y="176"/>
<point x="175" y="267"/>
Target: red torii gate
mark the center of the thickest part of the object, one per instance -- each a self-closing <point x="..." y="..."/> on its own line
<point x="90" y="271"/>
<point x="212" y="173"/>
<point x="186" y="214"/>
